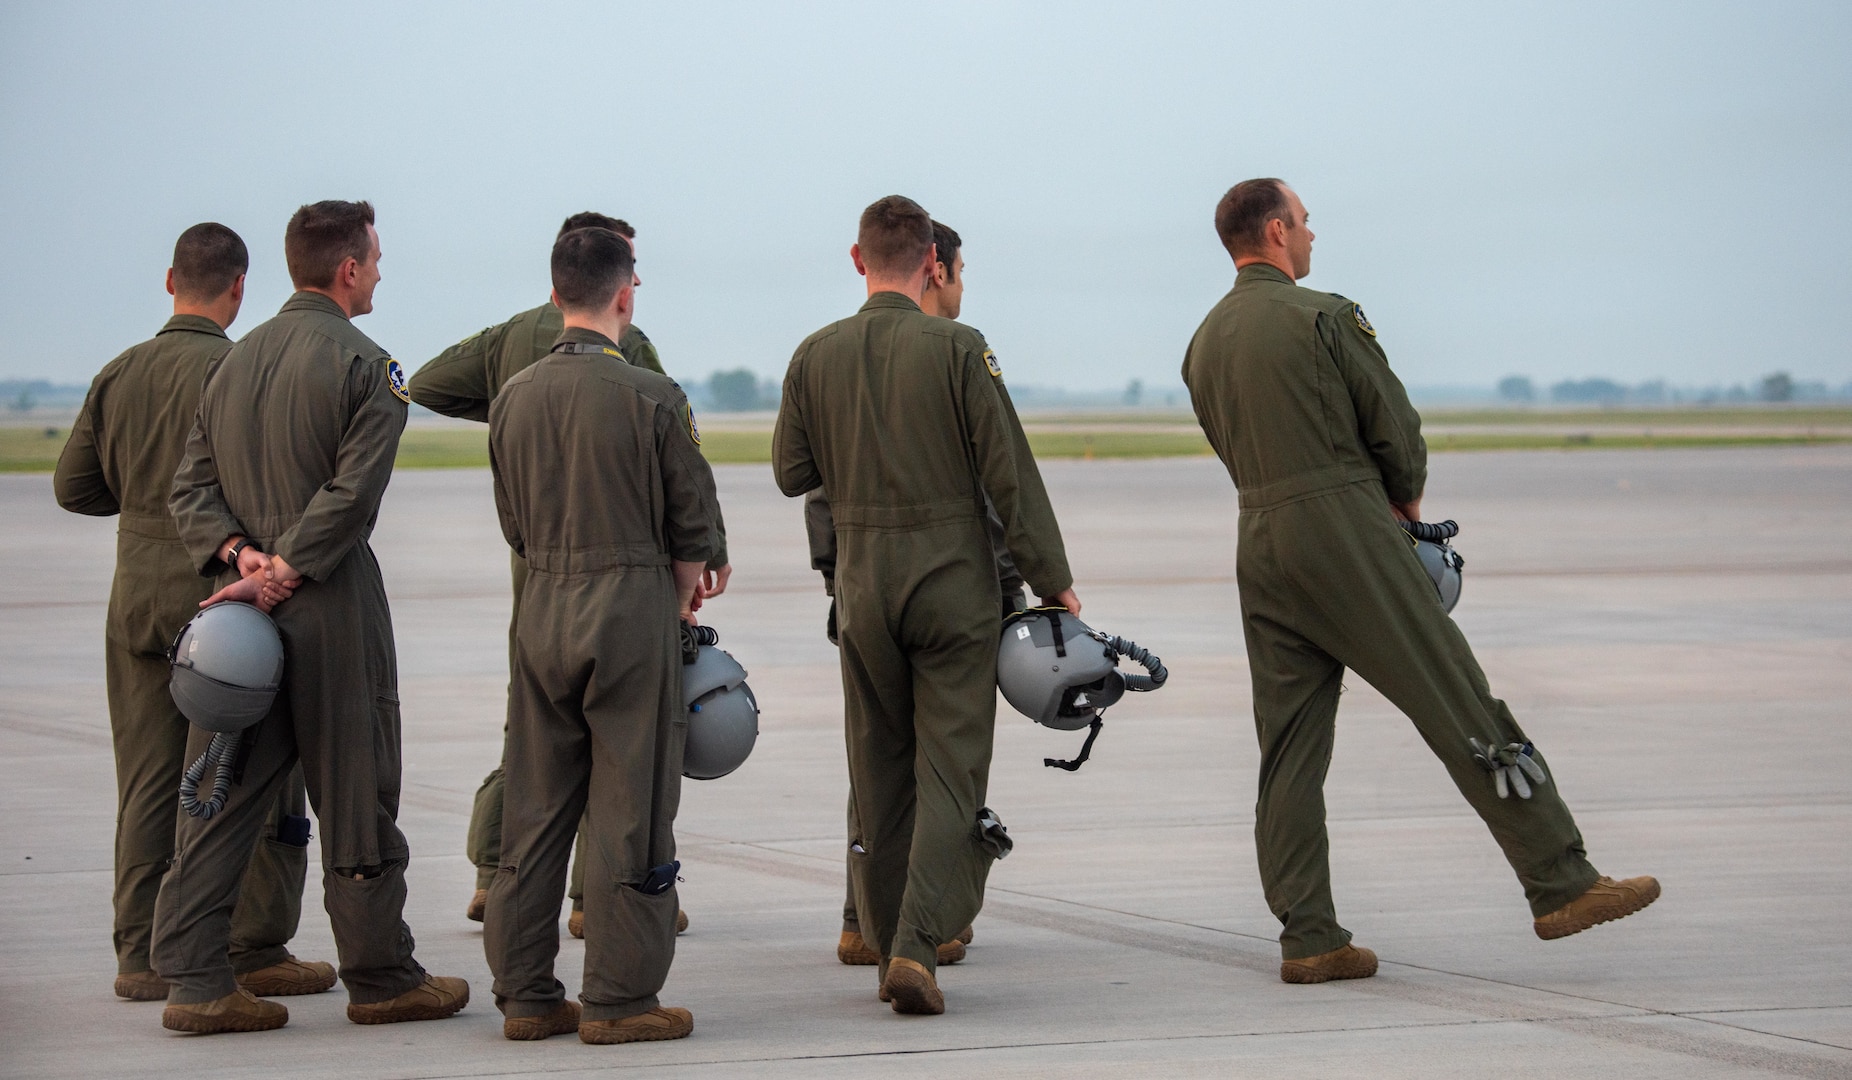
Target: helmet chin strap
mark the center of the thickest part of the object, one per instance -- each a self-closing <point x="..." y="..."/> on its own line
<point x="1086" y="748"/>
<point x="1118" y="646"/>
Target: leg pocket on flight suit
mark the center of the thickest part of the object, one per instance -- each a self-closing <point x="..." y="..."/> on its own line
<point x="386" y="748"/>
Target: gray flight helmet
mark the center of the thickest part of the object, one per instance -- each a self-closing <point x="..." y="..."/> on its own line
<point x="723" y="716"/>
<point x="227" y="667"/>
<point x="1437" y="557"/>
<point x="1053" y="669"/>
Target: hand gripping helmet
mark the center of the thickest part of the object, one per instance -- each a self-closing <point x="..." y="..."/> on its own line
<point x="1062" y="673"/>
<point x="1438" y="558"/>
<point x="227" y="666"/>
<point x="723" y="716"/>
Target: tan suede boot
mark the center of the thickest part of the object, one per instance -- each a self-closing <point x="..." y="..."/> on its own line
<point x="653" y="1026"/>
<point x="478" y="906"/>
<point x="912" y="989"/>
<point x="141" y="986"/>
<point x="1350" y="962"/>
<point x="851" y="950"/>
<point x="564" y="1019"/>
<point x="239" y="1010"/>
<point x="289" y="977"/>
<point x="966" y="935"/>
<point x="436" y="997"/>
<point x="1605" y="901"/>
<point x="681" y="921"/>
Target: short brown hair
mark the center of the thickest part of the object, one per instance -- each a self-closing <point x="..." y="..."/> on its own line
<point x="208" y="258"/>
<point x="947" y="240"/>
<point x="321" y="236"/>
<point x="589" y="267"/>
<point x="1242" y="215"/>
<point x="895" y="234"/>
<point x="591" y="219"/>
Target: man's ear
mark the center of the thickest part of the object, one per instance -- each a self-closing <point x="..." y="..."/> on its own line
<point x="855" y="256"/>
<point x="553" y="298"/>
<point x="1276" y="232"/>
<point x="625" y="302"/>
<point x="170" y="282"/>
<point x="237" y="288"/>
<point x="349" y="271"/>
<point x="941" y="276"/>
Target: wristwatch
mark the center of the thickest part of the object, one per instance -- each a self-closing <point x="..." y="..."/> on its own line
<point x="231" y="557"/>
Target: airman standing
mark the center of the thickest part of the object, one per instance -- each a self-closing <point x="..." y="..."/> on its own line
<point x="277" y="495"/>
<point x="903" y="419"/>
<point x="120" y="460"/>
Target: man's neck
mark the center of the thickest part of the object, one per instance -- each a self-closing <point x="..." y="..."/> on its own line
<point x="213" y="310"/>
<point x="912" y="287"/>
<point x="610" y="326"/>
<point x="1278" y="262"/>
<point x="341" y="301"/>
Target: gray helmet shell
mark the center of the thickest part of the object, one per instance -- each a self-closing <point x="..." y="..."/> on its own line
<point x="227" y="667"/>
<point x="1060" y="691"/>
<point x="723" y="716"/>
<point x="1444" y="566"/>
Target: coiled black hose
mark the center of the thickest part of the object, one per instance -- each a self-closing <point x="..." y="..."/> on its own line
<point x="1143" y="658"/>
<point x="223" y="752"/>
<point x="1431" y="531"/>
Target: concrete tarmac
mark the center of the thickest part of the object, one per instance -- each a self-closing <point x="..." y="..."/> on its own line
<point x="1673" y="627"/>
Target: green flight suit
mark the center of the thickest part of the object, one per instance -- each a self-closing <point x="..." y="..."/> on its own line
<point x="599" y="484"/>
<point x="903" y="418"/>
<point x="461" y="381"/>
<point x="120" y="459"/>
<point x="1297" y="398"/>
<point x="293" y="447"/>
<point x="820" y="530"/>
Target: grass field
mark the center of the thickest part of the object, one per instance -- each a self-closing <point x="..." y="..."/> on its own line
<point x="35" y="449"/>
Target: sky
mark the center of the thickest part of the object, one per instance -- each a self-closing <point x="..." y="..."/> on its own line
<point x="1564" y="190"/>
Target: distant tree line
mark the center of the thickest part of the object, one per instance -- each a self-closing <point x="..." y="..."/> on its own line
<point x="1776" y="387"/>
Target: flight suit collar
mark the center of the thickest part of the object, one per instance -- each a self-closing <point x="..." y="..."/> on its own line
<point x="890" y="300"/>
<point x="1262" y="272"/>
<point x="305" y="300"/>
<point x="579" y="335"/>
<point x="197" y="324"/>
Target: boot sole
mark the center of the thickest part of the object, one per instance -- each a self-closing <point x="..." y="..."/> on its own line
<point x="282" y="988"/>
<point x="1596" y="916"/>
<point x="909" y="992"/>
<point x="216" y="1025"/>
<point x="857" y="957"/>
<point x="535" y="1028"/>
<point x="610" y="1037"/>
<point x="1300" y="974"/>
<point x="133" y="992"/>
<point x="406" y="1014"/>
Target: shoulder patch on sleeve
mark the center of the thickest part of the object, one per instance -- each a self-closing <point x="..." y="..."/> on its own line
<point x="1363" y="324"/>
<point x="694" y="432"/>
<point x="395" y="378"/>
<point x="990" y="361"/>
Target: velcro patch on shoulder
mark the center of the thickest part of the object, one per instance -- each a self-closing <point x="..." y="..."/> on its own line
<point x="990" y="361"/>
<point x="395" y="378"/>
<point x="1363" y="324"/>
